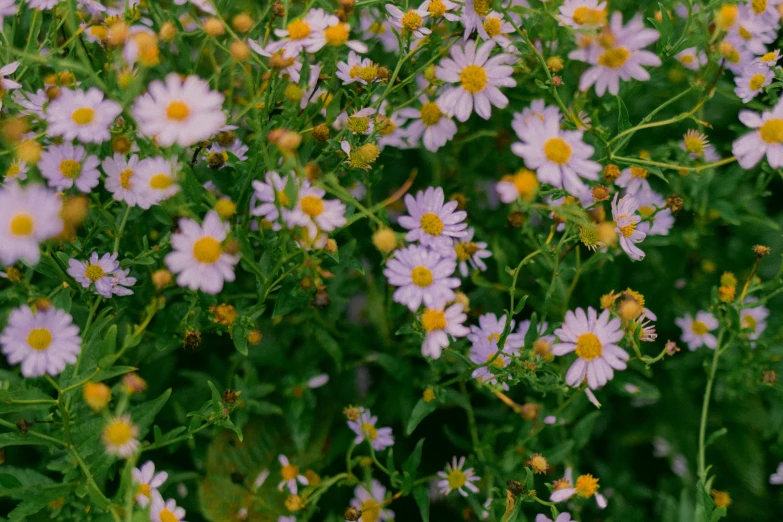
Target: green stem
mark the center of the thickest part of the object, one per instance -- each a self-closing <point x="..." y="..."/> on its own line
<point x="705" y="408"/>
<point x="120" y="230"/>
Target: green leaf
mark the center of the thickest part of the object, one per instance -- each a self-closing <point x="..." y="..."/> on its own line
<point x="62" y="300"/>
<point x="520" y="305"/>
<point x="584" y="428"/>
<point x="623" y="120"/>
<point x="422" y="498"/>
<point x="715" y="435"/>
<point x="216" y="398"/>
<point x="420" y="411"/>
<point x="145" y="413"/>
<point x="290" y="297"/>
<point x="529" y="483"/>
<point x="6" y="406"/>
<point x="414" y="459"/>
<point x="270" y="258"/>
<point x="331" y="346"/>
<point x="239" y="336"/>
<point x="16" y="438"/>
<point x="114" y="371"/>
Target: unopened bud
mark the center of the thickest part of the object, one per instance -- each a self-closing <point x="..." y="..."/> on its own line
<point x="321" y="133"/>
<point x="611" y="172"/>
<point x="516" y="219"/>
<point x="557" y="81"/>
<point x="428" y="395"/>
<point x="254" y="337"/>
<point x="554" y="63"/>
<point x="240" y="51"/>
<point x="761" y="250"/>
<point x="278" y="9"/>
<point x="600" y="193"/>
<point x="293" y="93"/>
<point x="161" y="278"/>
<point x="214" y="27"/>
<point x="769" y="376"/>
<point x="352" y="514"/>
<point x="97" y="395"/>
<point x="674" y="203"/>
<point x="384" y="240"/>
<point x="530" y="411"/>
<point x="167" y="32"/>
<point x="242" y="23"/>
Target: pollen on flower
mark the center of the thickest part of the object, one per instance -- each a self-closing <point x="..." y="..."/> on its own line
<point x="70" y="168"/>
<point x="614" y="58"/>
<point x="557" y="150"/>
<point x="39" y="339"/>
<point x="411" y="21"/>
<point x="430" y="113"/>
<point x="436" y="8"/>
<point x="431" y="224"/>
<point x="586" y="486"/>
<point x="161" y="181"/>
<point x="585" y="15"/>
<point x="83" y="115"/>
<point x="481" y="7"/>
<point x="588" y="346"/>
<point x="726" y="16"/>
<point x="433" y="320"/>
<point x="473" y="78"/>
<point x="421" y="276"/>
<point x="358" y="124"/>
<point x="145" y="490"/>
<point x="369" y="430"/>
<point x="177" y="110"/>
<point x="729" y="52"/>
<point x="588" y="235"/>
<point x="21" y="224"/>
<point x="497" y="361"/>
<point x="312" y="205"/>
<point x="758" y="6"/>
<point x="289" y="472"/>
<point x="526" y="183"/>
<point x="756" y="82"/>
<point x="456" y="478"/>
<point x="125" y="178"/>
<point x="627" y="230"/>
<point x="207" y="250"/>
<point x="118" y="432"/>
<point x="94" y="272"/>
<point x="298" y="29"/>
<point x="695" y="142"/>
<point x="337" y="34"/>
<point x="97" y="395"/>
<point x="771" y="131"/>
<point x="699" y="328"/>
<point x="539" y="463"/>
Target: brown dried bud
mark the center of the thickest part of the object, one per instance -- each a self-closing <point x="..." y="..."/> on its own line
<point x="539" y="463"/>
<point x="230" y="396"/>
<point x="761" y="250"/>
<point x="557" y="81"/>
<point x="23" y="425"/>
<point x="331" y="246"/>
<point x="321" y="133"/>
<point x="312" y="171"/>
<point x="383" y="74"/>
<point x="353" y="514"/>
<point x="530" y="411"/>
<point x="674" y="203"/>
<point x="600" y="193"/>
<point x="121" y="144"/>
<point x="52" y="92"/>
<point x="347" y="5"/>
<point x="671" y="347"/>
<point x="515" y="487"/>
<point x="226" y="138"/>
<point x="611" y="172"/>
<point x="516" y="219"/>
<point x="770" y="377"/>
<point x="278" y="9"/>
<point x="254" y="337"/>
<point x="215" y="160"/>
<point x="321" y="299"/>
<point x="192" y="339"/>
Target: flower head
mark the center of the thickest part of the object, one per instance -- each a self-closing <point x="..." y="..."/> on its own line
<point x="28" y="216"/>
<point x="120" y="437"/>
<point x="291" y="475"/>
<point x="364" y="428"/>
<point x="626" y="221"/>
<point x="433" y="222"/>
<point x="101" y="272"/>
<point x="167" y="511"/>
<point x="370" y="502"/>
<point x="147" y="482"/>
<point x="65" y="166"/>
<point x="438" y="325"/>
<point x="696" y="332"/>
<point x="455" y="478"/>
<point x="81" y="115"/>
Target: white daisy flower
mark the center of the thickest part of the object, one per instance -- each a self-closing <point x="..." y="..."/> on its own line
<point x="735" y="54"/>
<point x="470" y="253"/>
<point x="357" y="70"/>
<point x="32" y="103"/>
<point x="559" y="157"/>
<point x="776" y="478"/>
<point x="121" y="178"/>
<point x="316" y="213"/>
<point x="147" y="481"/>
<point x="495" y="29"/>
<point x="204" y="5"/>
<point x="490" y="329"/>
<point x="537" y="111"/>
<point x="290" y="473"/>
<point x="371" y="502"/>
<point x="43" y="342"/>
<point x="285" y="60"/>
<point x="154" y="180"/>
<point x="80" y="115"/>
<point x="770" y="59"/>
<point x="583" y="14"/>
<point x="439" y="324"/>
<point x="360" y="122"/>
<point x="337" y="34"/>
<point x="622" y="60"/>
<point x="445" y="8"/>
<point x="423" y="276"/>
<point x="364" y="428"/>
<point x="167" y="511"/>
<point x="28" y="216"/>
<point x="103" y="272"/>
<point x="692" y="58"/>
<point x="481" y="352"/>
<point x="634" y="180"/>
<point x="5" y="83"/>
<point x="696" y="332"/>
<point x="594" y="339"/>
<point x="17" y="171"/>
<point x="409" y="23"/>
<point x="752" y="81"/>
<point x="562" y="517"/>
<point x="626" y="219"/>
<point x="198" y="256"/>
<point x="43" y="5"/>
<point x="65" y="166"/>
<point x="120" y="437"/>
<point x="754" y="318"/>
<point x="586" y="486"/>
<point x="653" y="203"/>
<point x="430" y="124"/>
<point x="305" y="33"/>
<point x="766" y="138"/>
<point x="179" y="112"/>
<point x="433" y="222"/>
<point x="92" y="7"/>
<point x="455" y="478"/>
<point x="274" y="202"/>
<point x="479" y="77"/>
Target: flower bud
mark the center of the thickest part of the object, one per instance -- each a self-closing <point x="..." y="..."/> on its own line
<point x="538" y="463"/>
<point x="254" y="337"/>
<point x="761" y="250"/>
<point x="293" y="93"/>
<point x="321" y="133"/>
<point x="384" y="240"/>
<point x="352" y="514"/>
<point x="161" y="278"/>
<point x="242" y="23"/>
<point x="240" y="51"/>
<point x="428" y="395"/>
<point x="167" y="32"/>
<point x="600" y="193"/>
<point x="611" y="172"/>
<point x="214" y="27"/>
<point x="555" y="64"/>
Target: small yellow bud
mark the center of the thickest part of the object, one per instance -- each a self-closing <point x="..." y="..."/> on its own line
<point x="242" y="23"/>
<point x="161" y="278"/>
<point x="428" y="395"/>
<point x="384" y="240"/>
<point x="97" y="395"/>
<point x="293" y="93"/>
<point x="225" y="208"/>
<point x="538" y="463"/>
<point x="167" y="32"/>
<point x="29" y="151"/>
<point x="254" y="337"/>
<point x="214" y="27"/>
<point x="555" y="63"/>
<point x="118" y="33"/>
<point x="240" y="51"/>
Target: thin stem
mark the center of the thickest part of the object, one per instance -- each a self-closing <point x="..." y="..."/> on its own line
<point x="705" y="408"/>
<point x="120" y="230"/>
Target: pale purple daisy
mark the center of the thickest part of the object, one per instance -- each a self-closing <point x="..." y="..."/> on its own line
<point x="455" y="478"/>
<point x="444" y="8"/>
<point x="121" y="179"/>
<point x="692" y="58"/>
<point x="28" y="216"/>
<point x="273" y="200"/>
<point x="157" y="181"/>
<point x="696" y="331"/>
<point x="478" y="76"/>
<point x="32" y="103"/>
<point x="433" y="222"/>
<point x="430" y="124"/>
<point x="147" y="481"/>
<point x="409" y="22"/>
<point x="490" y="329"/>
<point x="439" y="324"/>
<point x="752" y="81"/>
<point x="291" y="475"/>
<point x="766" y="138"/>
<point x="357" y="70"/>
<point x="198" y="256"/>
<point x="494" y="28"/>
<point x="481" y="352"/>
<point x="102" y="272"/>
<point x="623" y="60"/>
<point x="634" y="180"/>
<point x="473" y="14"/>
<point x="559" y="157"/>
<point x="302" y="33"/>
<point x="653" y="204"/>
<point x="119" y="281"/>
<point x="594" y="339"/>
<point x="376" y="26"/>
<point x="539" y="111"/>
<point x="7" y="8"/>
<point x="583" y="14"/>
<point x="423" y="276"/>
<point x="315" y="213"/>
<point x="754" y="318"/>
<point x="286" y="56"/>
<point x="43" y="342"/>
<point x="626" y="219"/>
<point x="776" y="479"/>
<point x="364" y="428"/>
<point x="371" y="502"/>
<point x="470" y="253"/>
<point x="80" y="115"/>
<point x="543" y="343"/>
<point x="167" y="511"/>
<point x="65" y="166"/>
<point x="562" y="517"/>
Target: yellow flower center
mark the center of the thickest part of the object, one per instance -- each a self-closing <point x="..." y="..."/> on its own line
<point x="772" y="131"/>
<point x="588" y="347"/>
<point x="586" y="486"/>
<point x="586" y="16"/>
<point x="94" y="272"/>
<point x="13" y="171"/>
<point x="370" y="431"/>
<point x="161" y="181"/>
<point x="430" y="114"/>
<point x="70" y="168"/>
<point x="377" y="28"/>
<point x="498" y="362"/>
<point x="290" y="472"/>
<point x="125" y="178"/>
<point x="769" y="57"/>
<point x="759" y="6"/>
<point x="167" y="516"/>
<point x="385" y="126"/>
<point x="627" y="230"/>
<point x="557" y="150"/>
<point x="541" y="347"/>
<point x="207" y="250"/>
<point x="473" y="78"/>
<point x="694" y="144"/>
<point x="492" y="26"/>
<point x="436" y="8"/>
<point x="312" y="205"/>
<point x="639" y="172"/>
<point x="744" y="33"/>
<point x="687" y="59"/>
<point x="421" y="276"/>
<point x="337" y="35"/>
<point x="367" y="73"/>
<point x="646" y="211"/>
<point x="433" y="320"/>
<point x="118" y="432"/>
<point x="99" y="32"/>
<point x="39" y="339"/>
<point x="283" y="199"/>
<point x="749" y="322"/>
<point x="614" y="58"/>
<point x="358" y="124"/>
<point x="494" y="338"/>
<point x="177" y="110"/>
<point x="726" y="16"/>
<point x="144" y="489"/>
<point x="729" y="52"/>
<point x="371" y="511"/>
<point x="456" y="478"/>
<point x="699" y="328"/>
<point x="411" y="21"/>
<point x="21" y="224"/>
<point x="756" y="82"/>
<point x="481" y="7"/>
<point x="526" y="184"/>
<point x="83" y="115"/>
<point x="465" y="250"/>
<point x="431" y="224"/>
<point x="298" y="29"/>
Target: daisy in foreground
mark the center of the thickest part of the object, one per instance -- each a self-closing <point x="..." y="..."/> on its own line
<point x="364" y="428"/>
<point x="432" y="222"/>
<point x="167" y="511"/>
<point x="696" y="331"/>
<point x="102" y="272"/>
<point x="586" y="486"/>
<point x="456" y="478"/>
<point x="147" y="482"/>
<point x="85" y="116"/>
<point x="181" y="112"/>
<point x="27" y="216"/>
<point x="43" y="342"/>
<point x="121" y="179"/>
<point x="766" y="138"/>
<point x="594" y="339"/>
<point x="439" y="324"/>
<point x="290" y="473"/>
<point x="370" y="502"/>
<point x="120" y="437"/>
<point x="198" y="255"/>
<point x="479" y="77"/>
<point x="626" y="219"/>
<point x="423" y="276"/>
<point x="65" y="166"/>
